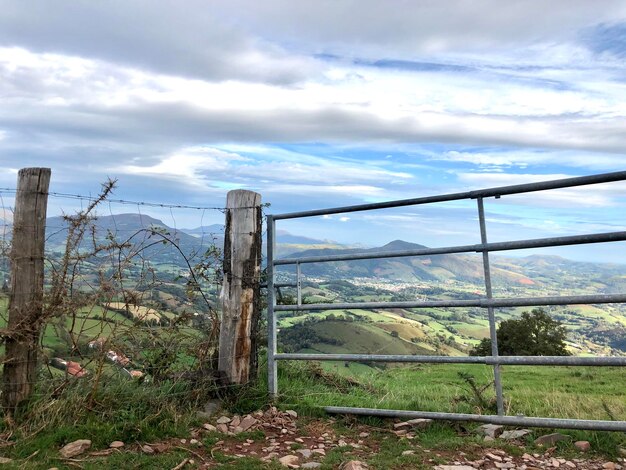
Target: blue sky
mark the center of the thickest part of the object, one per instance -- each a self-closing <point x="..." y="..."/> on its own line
<point x="325" y="103"/>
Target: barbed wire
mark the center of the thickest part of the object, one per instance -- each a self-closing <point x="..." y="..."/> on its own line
<point x="131" y="202"/>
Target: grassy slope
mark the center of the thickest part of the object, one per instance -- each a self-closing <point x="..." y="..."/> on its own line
<point x="558" y="392"/>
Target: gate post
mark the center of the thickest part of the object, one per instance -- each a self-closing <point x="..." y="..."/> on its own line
<point x="272" y="369"/>
<point x="240" y="295"/>
<point x="26" y="291"/>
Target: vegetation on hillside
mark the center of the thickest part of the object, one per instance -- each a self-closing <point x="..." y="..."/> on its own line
<point x="535" y="333"/>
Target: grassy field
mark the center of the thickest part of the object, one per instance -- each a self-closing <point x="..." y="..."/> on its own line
<point x="559" y="392"/>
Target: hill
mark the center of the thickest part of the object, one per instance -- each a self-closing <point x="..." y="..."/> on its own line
<point x="531" y="271"/>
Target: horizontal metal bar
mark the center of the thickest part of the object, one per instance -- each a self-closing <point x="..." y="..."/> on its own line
<point x="366" y="305"/>
<point x="498" y="246"/>
<point x="279" y="284"/>
<point x="597" y="361"/>
<point x="382" y="358"/>
<point x="489" y="192"/>
<point x="523" y="421"/>
<point x="605" y="361"/>
<point x="484" y="303"/>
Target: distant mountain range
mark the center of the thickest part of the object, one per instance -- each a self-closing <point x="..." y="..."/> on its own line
<point x="535" y="270"/>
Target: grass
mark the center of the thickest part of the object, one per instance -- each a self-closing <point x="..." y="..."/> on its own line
<point x="140" y="413"/>
<point x="558" y="392"/>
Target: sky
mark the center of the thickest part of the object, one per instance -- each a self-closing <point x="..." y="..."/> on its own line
<point x="324" y="103"/>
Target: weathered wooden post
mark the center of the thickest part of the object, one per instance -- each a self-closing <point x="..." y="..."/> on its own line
<point x="26" y="290"/>
<point x="240" y="295"/>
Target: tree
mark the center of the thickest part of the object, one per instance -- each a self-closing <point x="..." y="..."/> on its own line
<point x="534" y="334"/>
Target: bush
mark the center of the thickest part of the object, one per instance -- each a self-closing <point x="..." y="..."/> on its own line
<point x="534" y="334"/>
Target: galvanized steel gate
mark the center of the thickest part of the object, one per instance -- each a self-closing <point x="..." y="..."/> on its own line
<point x="487" y="302"/>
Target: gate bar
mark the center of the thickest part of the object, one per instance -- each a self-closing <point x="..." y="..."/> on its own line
<point x="497" y="380"/>
<point x="491" y="192"/>
<point x="600" y="361"/>
<point x="272" y="340"/>
<point x="497" y="246"/>
<point x="529" y="422"/>
<point x="511" y="302"/>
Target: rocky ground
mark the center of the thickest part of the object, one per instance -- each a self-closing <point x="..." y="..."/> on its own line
<point x="274" y="439"/>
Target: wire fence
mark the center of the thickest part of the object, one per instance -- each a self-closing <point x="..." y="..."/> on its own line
<point x="130" y="295"/>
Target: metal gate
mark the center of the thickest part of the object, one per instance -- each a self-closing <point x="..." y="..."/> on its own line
<point x="487" y="302"/>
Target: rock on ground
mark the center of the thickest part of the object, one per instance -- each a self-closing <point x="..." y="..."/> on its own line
<point x="551" y="439"/>
<point x="355" y="465"/>
<point x="419" y="423"/>
<point x="290" y="461"/>
<point x="516" y="434"/>
<point x="75" y="448"/>
<point x="491" y="430"/>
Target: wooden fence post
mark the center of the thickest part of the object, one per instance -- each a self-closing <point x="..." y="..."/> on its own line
<point x="240" y="294"/>
<point x="26" y="290"/>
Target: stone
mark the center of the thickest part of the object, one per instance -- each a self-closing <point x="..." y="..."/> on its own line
<point x="454" y="467"/>
<point x="247" y="422"/>
<point x="222" y="428"/>
<point x="311" y="465"/>
<point x="494" y="457"/>
<point x="355" y="465"/>
<point x="491" y="430"/>
<point x="146" y="449"/>
<point x="551" y="439"/>
<point x="609" y="466"/>
<point x="209" y="427"/>
<point x="364" y="434"/>
<point x="193" y="442"/>
<point x="75" y="448"/>
<point x="306" y="453"/>
<point x="223" y="420"/>
<point x="419" y="423"/>
<point x="292" y="413"/>
<point x="582" y="446"/>
<point x="116" y="444"/>
<point x="516" y="434"/>
<point x="408" y="452"/>
<point x="621" y="451"/>
<point x="4" y="460"/>
<point x="290" y="461"/>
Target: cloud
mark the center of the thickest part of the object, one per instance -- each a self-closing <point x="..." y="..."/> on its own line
<point x="188" y="40"/>
<point x="524" y="158"/>
<point x="433" y="27"/>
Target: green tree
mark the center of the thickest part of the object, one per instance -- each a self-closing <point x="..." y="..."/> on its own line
<point x="534" y="334"/>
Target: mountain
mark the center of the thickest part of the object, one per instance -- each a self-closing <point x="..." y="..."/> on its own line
<point x="535" y="271"/>
<point x="283" y="236"/>
<point x="423" y="268"/>
<point x="138" y="230"/>
<point x="214" y="230"/>
<point x="136" y="227"/>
